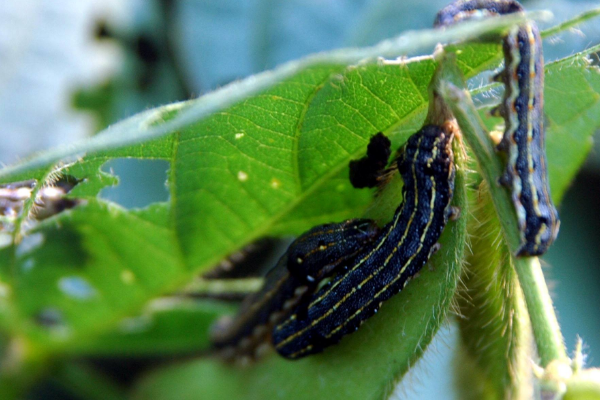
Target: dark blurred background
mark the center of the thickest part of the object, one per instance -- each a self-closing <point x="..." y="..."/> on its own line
<point x="69" y="68"/>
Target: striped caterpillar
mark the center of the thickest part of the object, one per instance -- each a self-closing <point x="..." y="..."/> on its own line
<point x="311" y="258"/>
<point x="522" y="108"/>
<point x="383" y="267"/>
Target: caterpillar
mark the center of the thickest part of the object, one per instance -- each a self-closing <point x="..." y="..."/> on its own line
<point x="383" y="267"/>
<point x="522" y="108"/>
<point x="308" y="260"/>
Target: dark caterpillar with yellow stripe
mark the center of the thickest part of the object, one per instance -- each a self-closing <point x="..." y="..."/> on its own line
<point x="383" y="267"/>
<point x="522" y="108"/>
<point x="312" y="257"/>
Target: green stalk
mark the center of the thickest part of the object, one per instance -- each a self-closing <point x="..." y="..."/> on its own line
<point x="548" y="337"/>
<point x="215" y="287"/>
<point x="571" y="22"/>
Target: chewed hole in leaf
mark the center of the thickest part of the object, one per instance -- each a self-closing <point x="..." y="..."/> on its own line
<point x="141" y="182"/>
<point x="76" y="287"/>
<point x="30" y="243"/>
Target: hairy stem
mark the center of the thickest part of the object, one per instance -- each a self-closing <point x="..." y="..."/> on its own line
<point x="548" y="337"/>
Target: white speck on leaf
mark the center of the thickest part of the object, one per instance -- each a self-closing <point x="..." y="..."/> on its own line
<point x="4" y="290"/>
<point x="127" y="276"/>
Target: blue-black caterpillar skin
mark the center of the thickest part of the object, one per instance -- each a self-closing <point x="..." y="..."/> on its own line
<point x="522" y="108"/>
<point x="465" y="9"/>
<point x="309" y="259"/>
<point x="382" y="268"/>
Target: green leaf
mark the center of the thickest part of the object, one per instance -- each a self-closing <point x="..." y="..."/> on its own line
<point x="90" y="268"/>
<point x="573" y="116"/>
<point x="365" y="365"/>
<point x="167" y="326"/>
<point x="85" y="382"/>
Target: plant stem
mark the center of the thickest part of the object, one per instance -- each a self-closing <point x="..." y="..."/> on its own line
<point x="546" y="330"/>
<point x="571" y="22"/>
<point x="214" y="287"/>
